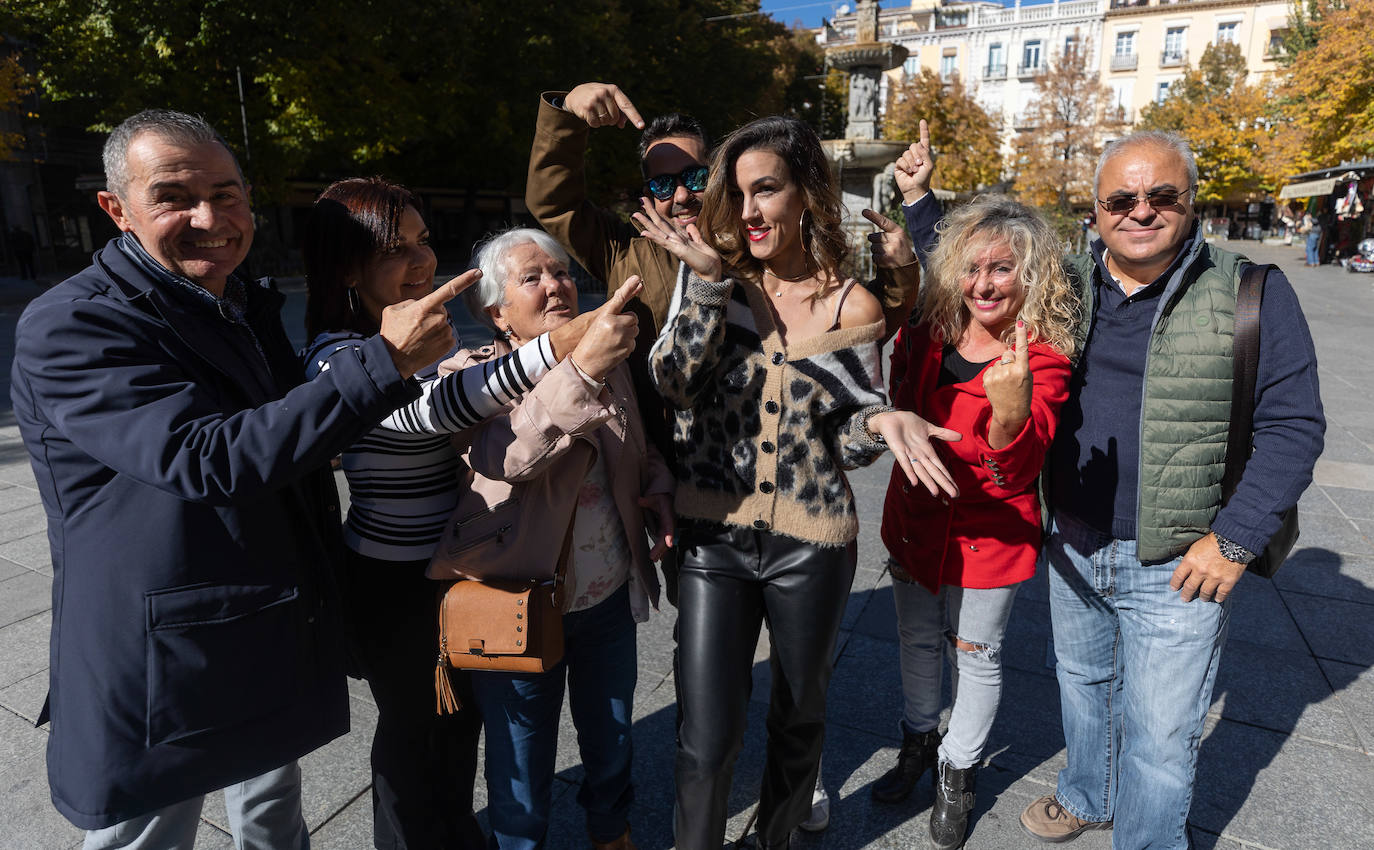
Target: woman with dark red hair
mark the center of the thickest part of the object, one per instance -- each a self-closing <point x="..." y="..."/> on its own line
<point x="366" y="248"/>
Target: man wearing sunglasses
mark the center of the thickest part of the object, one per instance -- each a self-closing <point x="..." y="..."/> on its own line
<point x="1141" y="553"/>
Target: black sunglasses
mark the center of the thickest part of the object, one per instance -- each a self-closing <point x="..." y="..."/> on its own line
<point x="1125" y="204"/>
<point x="692" y="178"/>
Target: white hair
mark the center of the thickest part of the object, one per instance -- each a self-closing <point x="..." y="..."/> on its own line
<point x="1158" y="139"/>
<point x="490" y="256"/>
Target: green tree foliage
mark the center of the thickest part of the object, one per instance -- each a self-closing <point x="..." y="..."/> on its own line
<point x="966" y="140"/>
<point x="1329" y="89"/>
<point x="432" y="92"/>
<point x="13" y="87"/>
<point x="1225" y="119"/>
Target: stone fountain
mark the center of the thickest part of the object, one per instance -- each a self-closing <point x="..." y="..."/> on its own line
<point x="861" y="160"/>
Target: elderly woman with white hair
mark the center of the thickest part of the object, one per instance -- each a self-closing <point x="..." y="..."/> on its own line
<point x="580" y="424"/>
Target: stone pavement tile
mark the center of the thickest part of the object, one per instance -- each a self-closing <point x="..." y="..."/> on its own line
<point x="1315" y="501"/>
<point x="24" y="595"/>
<point x="350" y="829"/>
<point x="1259" y="615"/>
<point x="1321" y="572"/>
<point x="9" y="569"/>
<point x="1354" y="687"/>
<point x="25" y="697"/>
<point x="1336" y="629"/>
<point x="877" y="618"/>
<point x="1277" y="791"/>
<point x="331" y="777"/>
<point x="24" y="646"/>
<point x="359" y="691"/>
<point x="1281" y="691"/>
<point x="655" y="639"/>
<point x="26" y="810"/>
<point x="1356" y="504"/>
<point x="1028" y="641"/>
<point x="31" y="552"/>
<point x="211" y="837"/>
<point x="1342" y="447"/>
<point x="866" y="688"/>
<point x="19" y="740"/>
<point x="15" y="468"/>
<point x="22" y="522"/>
<point x="1335" y="534"/>
<point x="14" y="497"/>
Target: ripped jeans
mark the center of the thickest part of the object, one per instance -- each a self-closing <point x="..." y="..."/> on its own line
<point x="927" y="625"/>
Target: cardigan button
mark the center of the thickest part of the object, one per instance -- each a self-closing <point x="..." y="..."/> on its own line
<point x="760" y="524"/>
<point x="771" y="406"/>
<point x="765" y="487"/>
<point x="906" y="488"/>
<point x="778" y="358"/>
<point x="768" y="448"/>
<point x="944" y="501"/>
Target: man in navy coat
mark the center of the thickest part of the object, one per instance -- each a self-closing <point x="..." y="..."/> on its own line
<point x="183" y="465"/>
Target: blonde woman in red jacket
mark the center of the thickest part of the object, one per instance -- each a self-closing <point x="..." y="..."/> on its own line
<point x="989" y="359"/>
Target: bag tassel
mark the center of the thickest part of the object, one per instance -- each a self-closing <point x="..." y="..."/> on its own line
<point x="446" y="701"/>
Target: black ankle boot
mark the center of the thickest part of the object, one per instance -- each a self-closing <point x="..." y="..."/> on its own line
<point x="919" y="752"/>
<point x="953" y="801"/>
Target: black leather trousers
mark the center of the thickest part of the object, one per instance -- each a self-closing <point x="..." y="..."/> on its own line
<point x="730" y="581"/>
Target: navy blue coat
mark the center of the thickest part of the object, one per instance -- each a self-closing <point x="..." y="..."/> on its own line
<point x="194" y="528"/>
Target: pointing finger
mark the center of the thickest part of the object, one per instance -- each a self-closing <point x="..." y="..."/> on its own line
<point x="925" y="133"/>
<point x="442" y="295"/>
<point x="1022" y="355"/>
<point x="627" y="109"/>
<point x="881" y="221"/>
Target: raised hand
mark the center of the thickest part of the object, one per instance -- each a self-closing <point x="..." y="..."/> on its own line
<point x="610" y="333"/>
<point x="1008" y="384"/>
<point x="909" y="436"/>
<point x="891" y="246"/>
<point x="915" y="167"/>
<point x="684" y="243"/>
<point x="602" y="105"/>
<point x="417" y="331"/>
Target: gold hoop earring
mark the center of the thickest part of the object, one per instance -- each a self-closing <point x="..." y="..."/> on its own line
<point x="354" y="306"/>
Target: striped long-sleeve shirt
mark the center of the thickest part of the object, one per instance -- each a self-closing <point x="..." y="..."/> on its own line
<point x="404" y="474"/>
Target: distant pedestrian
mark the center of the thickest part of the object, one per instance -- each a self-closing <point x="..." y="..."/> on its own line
<point x="22" y="244"/>
<point x="1311" y="227"/>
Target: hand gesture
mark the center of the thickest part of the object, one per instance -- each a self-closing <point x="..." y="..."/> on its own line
<point x="1008" y="384"/>
<point x="915" y="167"/>
<point x="417" y="331"/>
<point x="684" y="243"/>
<point x="610" y="333"/>
<point x="891" y="246"/>
<point x="909" y="436"/>
<point x="1204" y="573"/>
<point x="661" y="506"/>
<point x="602" y="105"/>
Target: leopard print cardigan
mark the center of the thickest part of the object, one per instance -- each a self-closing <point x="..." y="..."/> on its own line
<point x="763" y="430"/>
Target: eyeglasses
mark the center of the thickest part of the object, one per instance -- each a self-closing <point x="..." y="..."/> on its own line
<point x="1125" y="204"/>
<point x="692" y="178"/>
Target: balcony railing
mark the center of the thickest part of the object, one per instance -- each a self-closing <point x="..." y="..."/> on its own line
<point x="1025" y="71"/>
<point x="1124" y="61"/>
<point x="1172" y="58"/>
<point x="994" y="72"/>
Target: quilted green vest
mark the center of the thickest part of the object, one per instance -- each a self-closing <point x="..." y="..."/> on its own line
<point x="1187" y="405"/>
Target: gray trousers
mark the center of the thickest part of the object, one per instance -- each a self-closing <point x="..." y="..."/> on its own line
<point x="927" y="626"/>
<point x="264" y="814"/>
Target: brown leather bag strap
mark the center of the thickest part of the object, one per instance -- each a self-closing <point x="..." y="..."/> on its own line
<point x="1244" y="369"/>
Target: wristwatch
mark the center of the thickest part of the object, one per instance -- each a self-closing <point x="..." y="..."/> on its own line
<point x="1234" y="552"/>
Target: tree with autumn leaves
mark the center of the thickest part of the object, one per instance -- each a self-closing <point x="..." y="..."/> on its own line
<point x="964" y="136"/>
<point x="1071" y="115"/>
<point x="13" y="87"/>
<point x="1228" y="121"/>
<point x="1328" y="89"/>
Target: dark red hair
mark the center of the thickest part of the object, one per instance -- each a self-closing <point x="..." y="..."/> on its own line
<point x="351" y="222"/>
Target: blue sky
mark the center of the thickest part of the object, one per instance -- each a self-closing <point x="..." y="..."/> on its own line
<point x="810" y="13"/>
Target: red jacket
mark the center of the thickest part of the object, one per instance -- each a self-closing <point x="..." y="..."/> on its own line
<point x="990" y="535"/>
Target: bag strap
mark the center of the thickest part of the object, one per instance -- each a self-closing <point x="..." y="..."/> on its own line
<point x="1244" y="369"/>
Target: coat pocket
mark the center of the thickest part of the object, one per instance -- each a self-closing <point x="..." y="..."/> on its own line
<point x="219" y="656"/>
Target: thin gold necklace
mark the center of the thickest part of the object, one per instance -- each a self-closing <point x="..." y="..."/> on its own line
<point x="777" y="293"/>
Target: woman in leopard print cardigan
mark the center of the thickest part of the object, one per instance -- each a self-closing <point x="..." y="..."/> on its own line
<point x="773" y="371"/>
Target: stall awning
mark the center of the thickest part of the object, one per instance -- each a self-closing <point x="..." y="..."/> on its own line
<point x="1308" y="189"/>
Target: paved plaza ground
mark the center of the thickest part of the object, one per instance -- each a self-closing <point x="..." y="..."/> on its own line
<point x="1287" y="762"/>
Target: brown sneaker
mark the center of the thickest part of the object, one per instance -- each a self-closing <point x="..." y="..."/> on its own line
<point x="1046" y="820"/>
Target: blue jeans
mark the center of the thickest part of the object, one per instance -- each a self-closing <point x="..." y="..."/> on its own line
<point x="927" y="625"/>
<point x="1136" y="667"/>
<point x="521" y="713"/>
<point x="264" y="814"/>
<point x="1313" y="241"/>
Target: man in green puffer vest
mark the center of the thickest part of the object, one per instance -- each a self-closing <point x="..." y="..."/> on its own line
<point x="1142" y="555"/>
